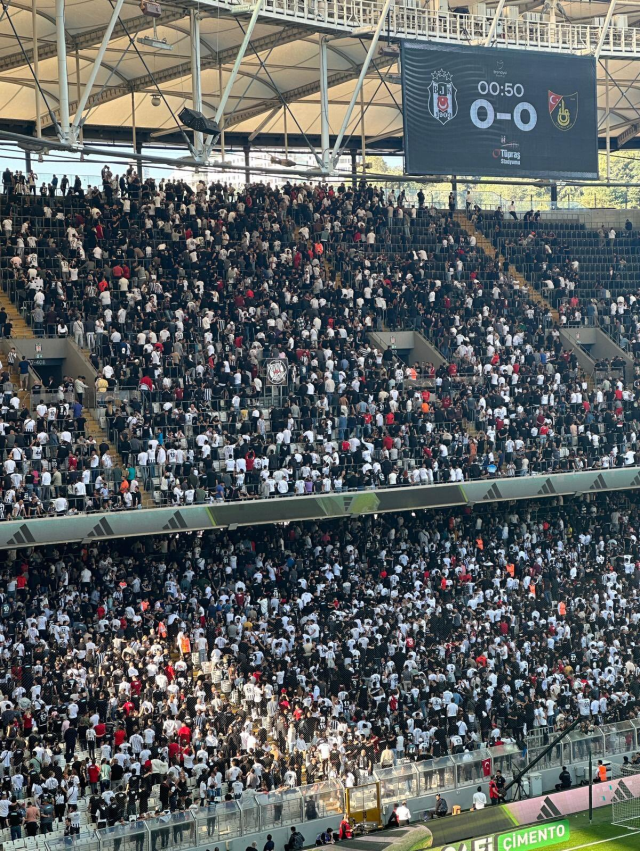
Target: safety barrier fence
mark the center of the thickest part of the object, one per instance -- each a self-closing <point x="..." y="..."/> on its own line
<point x="406" y="20"/>
<point x="104" y="525"/>
<point x="256" y="812"/>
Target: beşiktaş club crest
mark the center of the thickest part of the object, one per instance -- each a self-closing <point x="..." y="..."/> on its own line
<point x="277" y="371"/>
<point x="563" y="110"/>
<point x="443" y="104"/>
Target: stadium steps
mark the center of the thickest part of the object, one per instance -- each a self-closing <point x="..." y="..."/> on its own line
<point x="327" y="269"/>
<point x="23" y="395"/>
<point x="534" y="294"/>
<point x="468" y="227"/>
<point x="94" y="428"/>
<point x="20" y="327"/>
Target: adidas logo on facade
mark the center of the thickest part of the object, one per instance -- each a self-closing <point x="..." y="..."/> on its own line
<point x="23" y="537"/>
<point x="347" y="503"/>
<point x="599" y="484"/>
<point x="102" y="530"/>
<point x="492" y="493"/>
<point x="622" y="793"/>
<point x="548" y="810"/>
<point x="176" y="523"/>
<point x="547" y="489"/>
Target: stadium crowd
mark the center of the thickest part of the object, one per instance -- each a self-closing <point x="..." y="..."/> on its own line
<point x="554" y="261"/>
<point x="178" y="671"/>
<point x="181" y="295"/>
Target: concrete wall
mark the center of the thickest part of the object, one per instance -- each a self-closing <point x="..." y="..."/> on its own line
<point x="600" y="346"/>
<point x="56" y="348"/>
<point x="24" y="350"/>
<point x="424" y="351"/>
<point x="418" y="806"/>
<point x="417" y="345"/>
<point x="280" y="835"/>
<point x="569" y="339"/>
<point x="403" y="340"/>
<point x="76" y="364"/>
<point x="594" y="218"/>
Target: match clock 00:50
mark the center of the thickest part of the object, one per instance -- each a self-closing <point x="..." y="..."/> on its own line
<point x="483" y="113"/>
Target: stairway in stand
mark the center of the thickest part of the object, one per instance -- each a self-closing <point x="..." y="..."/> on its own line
<point x="92" y="427"/>
<point x="534" y="295"/>
<point x="469" y="228"/>
<point x="23" y="395"/>
<point x="20" y="327"/>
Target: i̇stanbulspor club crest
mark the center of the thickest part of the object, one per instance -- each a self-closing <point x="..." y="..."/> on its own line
<point x="443" y="104"/>
<point x="563" y="110"/>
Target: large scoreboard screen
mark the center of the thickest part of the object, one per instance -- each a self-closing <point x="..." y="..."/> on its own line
<point x="476" y="111"/>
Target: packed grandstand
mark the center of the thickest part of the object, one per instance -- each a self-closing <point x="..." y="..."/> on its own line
<point x="178" y="296"/>
<point x="320" y="425"/>
<point x="143" y="681"/>
<point x="330" y="649"/>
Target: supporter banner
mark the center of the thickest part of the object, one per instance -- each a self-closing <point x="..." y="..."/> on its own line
<point x="487" y="111"/>
<point x="158" y="521"/>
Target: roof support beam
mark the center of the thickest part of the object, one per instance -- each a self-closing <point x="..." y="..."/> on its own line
<point x="63" y="81"/>
<point x="214" y="60"/>
<point x="363" y="73"/>
<point x="608" y="113"/>
<point x="264" y="123"/>
<point x="293" y="95"/>
<point x="605" y="28"/>
<point x="253" y="20"/>
<point x="324" y="103"/>
<point x="196" y="78"/>
<point x="623" y="94"/>
<point x="177" y="72"/>
<point x="494" y="24"/>
<point x="48" y="49"/>
<point x="36" y="64"/>
<point x="106" y="38"/>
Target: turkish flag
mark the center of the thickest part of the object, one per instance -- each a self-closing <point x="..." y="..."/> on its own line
<point x="443" y="103"/>
<point x="486" y="767"/>
<point x="554" y="100"/>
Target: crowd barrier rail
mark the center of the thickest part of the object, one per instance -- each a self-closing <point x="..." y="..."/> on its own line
<point x="256" y="812"/>
<point x="192" y="518"/>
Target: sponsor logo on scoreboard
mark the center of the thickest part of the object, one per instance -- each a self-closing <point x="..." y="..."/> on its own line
<point x="508" y="153"/>
<point x="499" y="69"/>
<point x="442" y="103"/>
<point x="563" y="110"/>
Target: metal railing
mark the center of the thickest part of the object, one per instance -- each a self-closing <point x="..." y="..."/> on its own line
<point x="257" y="812"/>
<point x="151" y="475"/>
<point x="408" y="21"/>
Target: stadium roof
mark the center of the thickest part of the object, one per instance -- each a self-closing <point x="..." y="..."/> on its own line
<point x="281" y="65"/>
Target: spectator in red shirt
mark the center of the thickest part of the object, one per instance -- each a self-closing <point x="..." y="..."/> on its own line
<point x="93" y="773"/>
